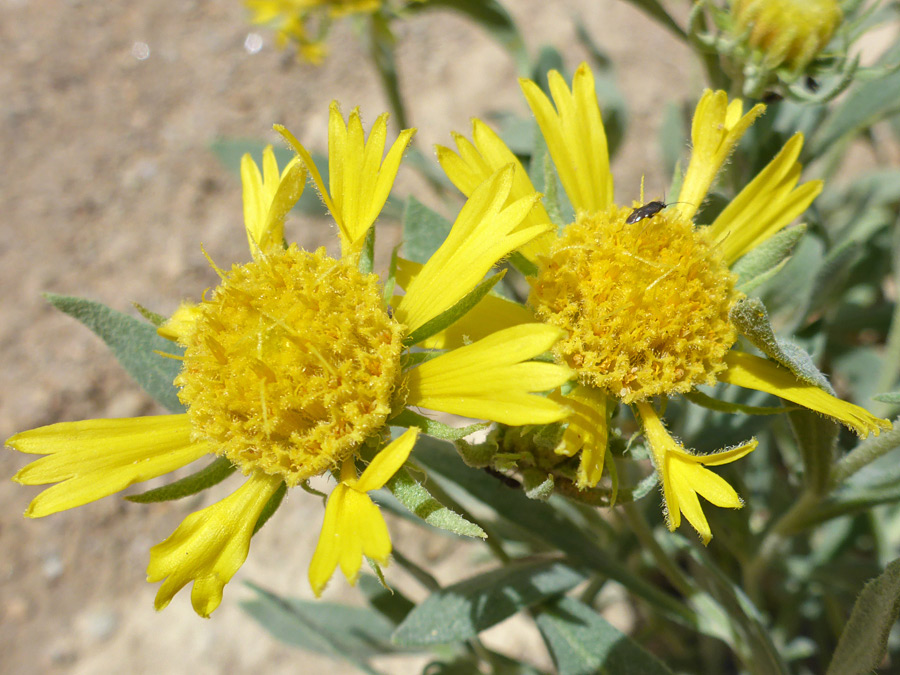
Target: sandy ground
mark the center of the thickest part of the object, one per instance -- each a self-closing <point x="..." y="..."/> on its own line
<point x="107" y="189"/>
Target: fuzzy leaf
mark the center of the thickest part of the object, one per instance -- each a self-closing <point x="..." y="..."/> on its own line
<point x="701" y="399"/>
<point x="415" y="497"/>
<point x="582" y="642"/>
<point x="817" y="439"/>
<point x="749" y="316"/>
<point x="433" y="428"/>
<point x="452" y="315"/>
<point x="866" y="105"/>
<point x="391" y="604"/>
<point x="463" y="610"/>
<point x="893" y="397"/>
<point x="134" y="344"/>
<point x="766" y="260"/>
<point x="351" y="633"/>
<point x="544" y="522"/>
<point x="864" y="639"/>
<point x="212" y="474"/>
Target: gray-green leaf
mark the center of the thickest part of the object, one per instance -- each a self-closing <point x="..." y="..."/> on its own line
<point x="351" y="633"/>
<point x="584" y="643"/>
<point x="461" y="611"/>
<point x="749" y="316"/>
<point x="865" y="637"/>
<point x="134" y="344"/>
<point x="415" y="497"/>
<point x="764" y="261"/>
<point x="212" y="474"/>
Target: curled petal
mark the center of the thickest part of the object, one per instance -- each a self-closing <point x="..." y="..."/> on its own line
<point x="753" y="372"/>
<point x="353" y="527"/>
<point x="210" y="546"/>
<point x="684" y="475"/>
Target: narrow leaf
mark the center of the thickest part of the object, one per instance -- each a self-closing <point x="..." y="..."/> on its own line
<point x="817" y="439"/>
<point x="354" y="634"/>
<point x="424" y="231"/>
<point x="134" y="344"/>
<point x="463" y="610"/>
<point x="543" y="521"/>
<point x="864" y="639"/>
<point x="210" y="475"/>
<point x="749" y="316"/>
<point x="582" y="642"/>
<point x="765" y="260"/>
<point x="701" y="399"/>
<point x="866" y="105"/>
<point x="893" y="397"/>
<point x="452" y="315"/>
<point x="391" y="604"/>
<point x="415" y="497"/>
<point x="433" y="428"/>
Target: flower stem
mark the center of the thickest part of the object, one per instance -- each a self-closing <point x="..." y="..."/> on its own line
<point x="864" y="454"/>
<point x="669" y="569"/>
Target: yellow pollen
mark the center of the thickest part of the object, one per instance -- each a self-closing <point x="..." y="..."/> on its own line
<point x="292" y="364"/>
<point x="645" y="304"/>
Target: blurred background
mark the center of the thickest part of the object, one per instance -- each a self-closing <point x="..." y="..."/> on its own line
<point x="108" y="187"/>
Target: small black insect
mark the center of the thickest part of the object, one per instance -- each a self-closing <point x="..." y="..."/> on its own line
<point x="648" y="210"/>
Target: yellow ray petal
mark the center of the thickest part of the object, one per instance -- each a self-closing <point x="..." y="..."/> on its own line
<point x="268" y="198"/>
<point x="93" y="459"/>
<point x="359" y="182"/>
<point x="684" y="475"/>
<point x="717" y="127"/>
<point x="712" y="487"/>
<point x="353" y="527"/>
<point x="766" y="205"/>
<point x="180" y="325"/>
<point x="492" y="379"/>
<point x="753" y="372"/>
<point x="587" y="432"/>
<point x="483" y="233"/>
<point x="210" y="546"/>
<point x="310" y="165"/>
<point x="575" y="137"/>
<point x="387" y="462"/>
<point x="476" y="162"/>
<point x="688" y="503"/>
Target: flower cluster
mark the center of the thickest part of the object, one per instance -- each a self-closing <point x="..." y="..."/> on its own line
<point x="644" y="293"/>
<point x="298" y="364"/>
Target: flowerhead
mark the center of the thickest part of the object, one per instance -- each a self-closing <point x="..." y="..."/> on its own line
<point x="294" y="366"/>
<point x="645" y="293"/>
<point x="295" y="21"/>
<point x="787" y="32"/>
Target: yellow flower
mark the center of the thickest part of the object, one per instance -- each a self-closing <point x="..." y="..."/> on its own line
<point x="295" y="363"/>
<point x="353" y="525"/>
<point x="787" y="32"/>
<point x="291" y="20"/>
<point x="643" y="293"/>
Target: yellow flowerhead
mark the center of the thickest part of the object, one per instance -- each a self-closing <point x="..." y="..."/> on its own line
<point x="295" y="363"/>
<point x="787" y="32"/>
<point x="292" y="19"/>
<point x="642" y="291"/>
